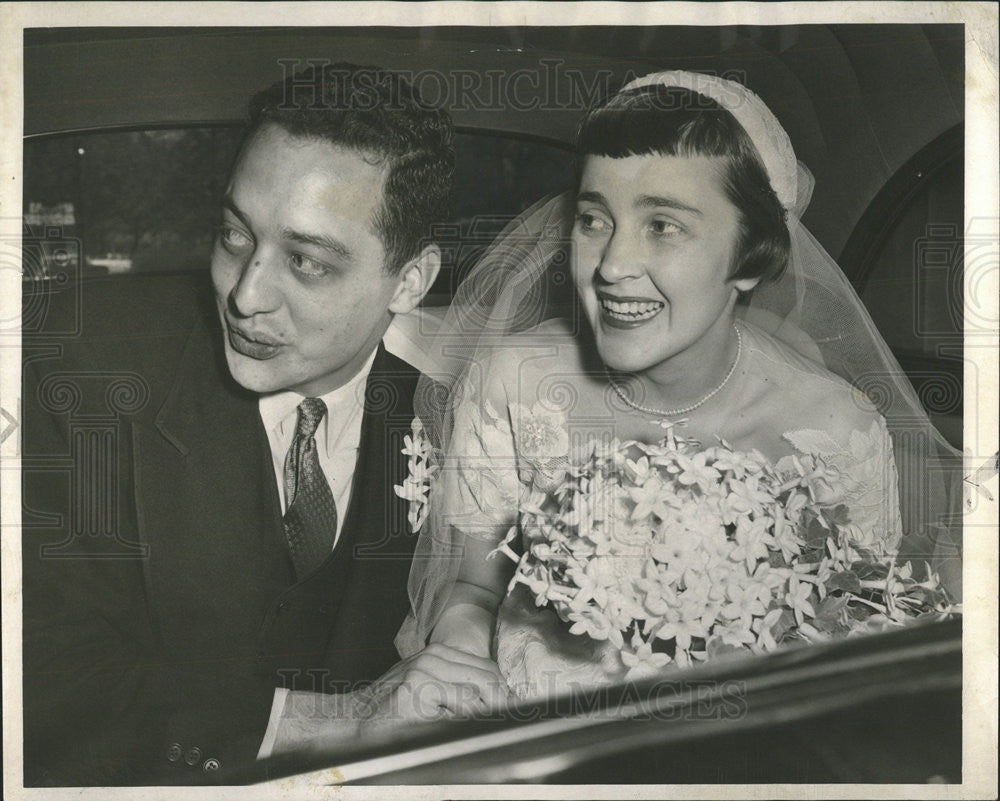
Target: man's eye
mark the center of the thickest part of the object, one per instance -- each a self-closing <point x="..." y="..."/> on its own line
<point x="591" y="223"/>
<point x="234" y="239"/>
<point x="307" y="266"/>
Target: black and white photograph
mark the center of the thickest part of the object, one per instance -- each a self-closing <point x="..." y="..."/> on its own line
<point x="499" y="400"/>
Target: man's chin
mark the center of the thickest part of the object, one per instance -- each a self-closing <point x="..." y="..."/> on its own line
<point x="254" y="375"/>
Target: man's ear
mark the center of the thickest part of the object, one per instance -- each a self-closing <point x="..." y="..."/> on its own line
<point x="415" y="280"/>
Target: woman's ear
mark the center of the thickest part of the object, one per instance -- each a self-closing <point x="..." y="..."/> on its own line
<point x="745" y="284"/>
<point x="415" y="280"/>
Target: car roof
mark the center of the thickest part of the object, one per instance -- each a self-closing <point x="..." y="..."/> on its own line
<point x="857" y="101"/>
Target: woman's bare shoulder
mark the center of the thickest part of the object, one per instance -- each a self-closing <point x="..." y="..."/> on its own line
<point x="805" y="395"/>
<point x="537" y="352"/>
<point x="519" y="366"/>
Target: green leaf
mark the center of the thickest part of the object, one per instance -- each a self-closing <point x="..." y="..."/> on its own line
<point x="831" y="607"/>
<point x="838" y="515"/>
<point x="814" y="533"/>
<point x="784" y="625"/>
<point x="927" y="598"/>
<point x="847" y="581"/>
<point x="828" y="613"/>
<point x="716" y="648"/>
<point x="870" y="571"/>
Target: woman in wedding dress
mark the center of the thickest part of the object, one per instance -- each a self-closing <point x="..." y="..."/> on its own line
<point x="702" y="307"/>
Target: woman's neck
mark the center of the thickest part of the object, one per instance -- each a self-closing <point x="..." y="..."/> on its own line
<point x="687" y="377"/>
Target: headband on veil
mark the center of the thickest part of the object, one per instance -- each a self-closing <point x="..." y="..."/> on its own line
<point x="811" y="307"/>
<point x="772" y="143"/>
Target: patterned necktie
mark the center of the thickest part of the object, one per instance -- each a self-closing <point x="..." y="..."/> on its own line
<point x="310" y="512"/>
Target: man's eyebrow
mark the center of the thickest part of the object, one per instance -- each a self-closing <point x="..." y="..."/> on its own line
<point x="229" y="203"/>
<point x="655" y="202"/>
<point x="335" y="246"/>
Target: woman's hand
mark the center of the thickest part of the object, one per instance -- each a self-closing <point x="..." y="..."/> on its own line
<point x="466" y="627"/>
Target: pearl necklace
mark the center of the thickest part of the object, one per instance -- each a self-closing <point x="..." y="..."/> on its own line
<point x="674" y="412"/>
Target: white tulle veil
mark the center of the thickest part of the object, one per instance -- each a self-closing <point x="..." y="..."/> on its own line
<point x="522" y="279"/>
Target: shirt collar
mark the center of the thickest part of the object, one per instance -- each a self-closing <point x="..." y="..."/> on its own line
<point x="279" y="410"/>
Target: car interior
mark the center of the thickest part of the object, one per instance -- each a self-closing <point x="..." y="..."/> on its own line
<point x="124" y="168"/>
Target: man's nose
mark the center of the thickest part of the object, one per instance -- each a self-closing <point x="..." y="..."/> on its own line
<point x="255" y="291"/>
<point x="620" y="259"/>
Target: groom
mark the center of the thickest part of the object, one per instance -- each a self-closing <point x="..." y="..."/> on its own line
<point x="209" y="513"/>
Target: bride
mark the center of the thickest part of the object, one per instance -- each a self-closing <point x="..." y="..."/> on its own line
<point x="702" y="307"/>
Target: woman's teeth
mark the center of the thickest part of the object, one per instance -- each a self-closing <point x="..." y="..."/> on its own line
<point x="631" y="310"/>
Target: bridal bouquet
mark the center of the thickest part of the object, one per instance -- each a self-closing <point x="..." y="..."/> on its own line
<point x="674" y="553"/>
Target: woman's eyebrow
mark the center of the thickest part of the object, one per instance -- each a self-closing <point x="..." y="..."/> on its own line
<point x="655" y="201"/>
<point x="644" y="202"/>
<point x="593" y="197"/>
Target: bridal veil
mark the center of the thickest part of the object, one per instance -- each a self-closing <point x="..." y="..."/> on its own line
<point x="523" y="279"/>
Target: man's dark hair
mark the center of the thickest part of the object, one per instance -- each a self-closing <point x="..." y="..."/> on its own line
<point x="673" y="121"/>
<point x="381" y="115"/>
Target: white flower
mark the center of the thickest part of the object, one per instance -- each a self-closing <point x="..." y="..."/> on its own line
<point x="680" y="543"/>
<point x="597" y="626"/>
<point x="638" y="470"/>
<point x="785" y="535"/>
<point x="696" y="471"/>
<point x="682" y="630"/>
<point x="744" y="603"/>
<point x="798" y="599"/>
<point x="763" y="627"/>
<point x="416" y="442"/>
<point x="642" y="662"/>
<point x="751" y="542"/>
<point x="735" y="633"/>
<point x="540" y="433"/>
<point x="649" y="498"/>
<point x="675" y="550"/>
<point x="416" y="486"/>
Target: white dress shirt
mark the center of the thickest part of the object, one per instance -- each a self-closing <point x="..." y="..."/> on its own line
<point x="337" y="437"/>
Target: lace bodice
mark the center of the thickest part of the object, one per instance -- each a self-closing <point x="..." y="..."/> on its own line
<point x="503" y="453"/>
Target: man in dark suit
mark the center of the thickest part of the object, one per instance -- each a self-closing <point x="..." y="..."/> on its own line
<point x="210" y="524"/>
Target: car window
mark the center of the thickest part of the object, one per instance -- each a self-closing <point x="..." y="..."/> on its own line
<point x="127" y="202"/>
<point x="912" y="274"/>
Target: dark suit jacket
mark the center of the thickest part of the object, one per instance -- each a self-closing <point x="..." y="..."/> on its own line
<point x="160" y="605"/>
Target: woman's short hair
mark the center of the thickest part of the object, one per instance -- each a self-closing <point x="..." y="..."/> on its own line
<point x="672" y="121"/>
<point x="380" y="114"/>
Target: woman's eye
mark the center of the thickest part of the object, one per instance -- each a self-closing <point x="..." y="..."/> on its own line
<point x="665" y="227"/>
<point x="233" y="238"/>
<point x="307" y="266"/>
<point x="591" y="223"/>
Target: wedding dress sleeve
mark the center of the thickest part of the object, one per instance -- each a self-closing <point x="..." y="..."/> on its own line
<point x="480" y="489"/>
<point x="499" y="451"/>
<point x="859" y="475"/>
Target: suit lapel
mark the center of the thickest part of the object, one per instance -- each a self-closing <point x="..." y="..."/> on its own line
<point x="220" y="581"/>
<point x="374" y="511"/>
<point x="216" y="551"/>
<point x="376" y="538"/>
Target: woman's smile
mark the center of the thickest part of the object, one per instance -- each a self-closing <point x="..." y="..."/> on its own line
<point x="627" y="312"/>
<point x="653" y="250"/>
